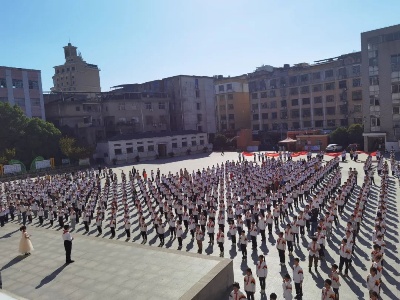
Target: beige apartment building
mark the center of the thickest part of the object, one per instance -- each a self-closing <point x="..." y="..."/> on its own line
<point x="94" y="118"/>
<point x="381" y="79"/>
<point x="76" y="75"/>
<point x="23" y="87"/>
<point x="323" y="95"/>
<point x="232" y="103"/>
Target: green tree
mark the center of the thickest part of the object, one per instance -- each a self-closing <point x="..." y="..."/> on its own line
<point x="30" y="137"/>
<point x="220" y="141"/>
<point x="69" y="148"/>
<point x="355" y="133"/>
<point x="339" y="136"/>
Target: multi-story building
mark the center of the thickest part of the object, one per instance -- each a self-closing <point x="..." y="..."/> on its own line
<point x="76" y="74"/>
<point x="23" y="87"/>
<point x="381" y="81"/>
<point x="232" y="103"/>
<point x="323" y="95"/>
<point x="192" y="100"/>
<point x="95" y="117"/>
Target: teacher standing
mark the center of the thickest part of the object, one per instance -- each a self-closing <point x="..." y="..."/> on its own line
<point x="67" y="244"/>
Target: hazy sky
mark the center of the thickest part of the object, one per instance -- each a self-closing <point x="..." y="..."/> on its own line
<point x="134" y="41"/>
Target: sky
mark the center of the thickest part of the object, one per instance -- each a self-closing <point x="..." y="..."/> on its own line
<point x="134" y="41"/>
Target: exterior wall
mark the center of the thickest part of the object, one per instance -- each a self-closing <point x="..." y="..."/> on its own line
<point x="294" y="98"/>
<point x="129" y="149"/>
<point x="381" y="79"/>
<point x="232" y="103"/>
<point x="27" y="94"/>
<point x="76" y="74"/>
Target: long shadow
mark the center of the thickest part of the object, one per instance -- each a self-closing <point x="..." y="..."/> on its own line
<point x="51" y="276"/>
<point x="14" y="261"/>
<point x="6" y="236"/>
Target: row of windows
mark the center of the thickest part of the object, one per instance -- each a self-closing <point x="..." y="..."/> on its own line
<point x="35" y="102"/>
<point x="19" y="84"/>
<point x="63" y="70"/>
<point x="150" y="148"/>
<point x="231" y="117"/>
<point x="306" y="124"/>
<point x="222" y="97"/>
<point x="330" y="86"/>
<point x="221" y="87"/>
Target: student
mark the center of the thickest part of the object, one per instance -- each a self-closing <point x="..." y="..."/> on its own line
<point x="199" y="239"/>
<point x="313" y="254"/>
<point x="236" y="294"/>
<point x="220" y="241"/>
<point x="334" y="277"/>
<point x="287" y="287"/>
<point x="327" y="292"/>
<point x="179" y="232"/>
<point x="281" y="246"/>
<point x="298" y="278"/>
<point x="262" y="272"/>
<point x="243" y="245"/>
<point x="249" y="284"/>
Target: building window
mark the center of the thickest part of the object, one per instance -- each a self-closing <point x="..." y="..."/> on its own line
<point x="150" y="148"/>
<point x="317" y="87"/>
<point x="117" y="151"/>
<point x="304" y="78"/>
<point x="356" y="70"/>
<point x="329" y="86"/>
<point x="283" y="114"/>
<point x="3" y="83"/>
<point x="292" y="80"/>
<point x="198" y="106"/>
<point x="256" y="126"/>
<point x="229" y="87"/>
<point x="129" y="150"/>
<point x="357" y="108"/>
<point x="230" y="106"/>
<point x="343" y="84"/>
<point x="283" y="103"/>
<point x="295" y="113"/>
<point x="343" y="109"/>
<point x="344" y="122"/>
<point x="221" y="88"/>
<point x="330" y="111"/>
<point x="174" y="145"/>
<point x="305" y="89"/>
<point x="374" y="80"/>
<point x="395" y="88"/>
<point x="395" y="62"/>
<point x="316" y="75"/>
<point x="264" y="105"/>
<point x="20" y="102"/>
<point x="356" y="95"/>
<point x="294" y="91"/>
<point x="317" y="100"/>
<point x="396" y="110"/>
<point x="374" y="100"/>
<point x="263" y="95"/>
<point x="148" y="105"/>
<point x="295" y="102"/>
<point x="356" y="82"/>
<point x="33" y="85"/>
<point x="306" y="112"/>
<point x="331" y="123"/>
<point x="329" y="73"/>
<point x="197" y="93"/>
<point x="274" y="115"/>
<point x="255" y="117"/>
<point x="161" y="105"/>
<point x="140" y="149"/>
<point x="296" y="125"/>
<point x="231" y="117"/>
<point x="194" y="143"/>
<point x="254" y="96"/>
<point x="199" y="117"/>
<point x="318" y="111"/>
<point x="305" y="101"/>
<point x="265" y="127"/>
<point x="264" y="116"/>
<point x="17" y="84"/>
<point x="272" y="93"/>
<point x="273" y="104"/>
<point x="221" y="97"/>
<point x="307" y="124"/>
<point x="330" y="98"/>
<point x="375" y="121"/>
<point x="230" y="96"/>
<point x="319" y="123"/>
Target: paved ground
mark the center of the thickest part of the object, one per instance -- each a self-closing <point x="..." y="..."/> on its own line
<point x="49" y="259"/>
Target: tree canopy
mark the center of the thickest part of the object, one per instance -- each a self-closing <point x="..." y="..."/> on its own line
<point x="344" y="136"/>
<point x="25" y="138"/>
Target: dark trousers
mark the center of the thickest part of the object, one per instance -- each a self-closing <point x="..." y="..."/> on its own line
<point x="290" y="246"/>
<point x="128" y="233"/>
<point x="345" y="262"/>
<point x="68" y="249"/>
<point x="299" y="289"/>
<point x="262" y="235"/>
<point x="253" y="242"/>
<point x="243" y="248"/>
<point x="221" y="246"/>
<point x="144" y="235"/>
<point x="180" y="242"/>
<point x="281" y="256"/>
<point x="310" y="261"/>
<point x="262" y="282"/>
<point x="250" y="295"/>
<point x="86" y="226"/>
<point x="302" y="230"/>
<point x="99" y="229"/>
<point x="270" y="228"/>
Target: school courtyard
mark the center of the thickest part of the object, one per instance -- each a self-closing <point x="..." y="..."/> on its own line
<point x="117" y="269"/>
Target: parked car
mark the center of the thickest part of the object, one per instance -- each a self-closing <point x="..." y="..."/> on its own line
<point x="333" y="148"/>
